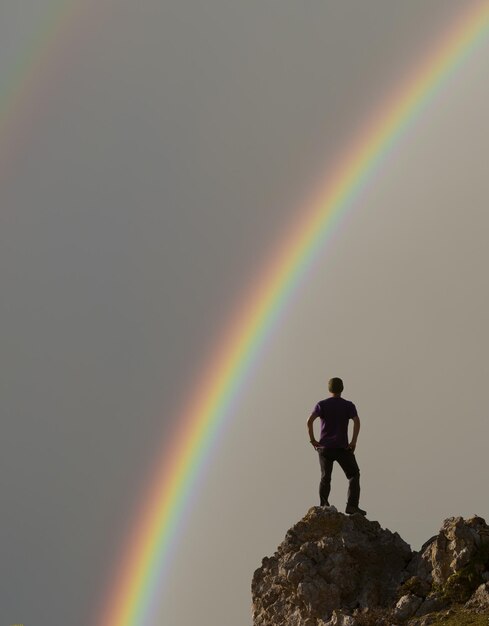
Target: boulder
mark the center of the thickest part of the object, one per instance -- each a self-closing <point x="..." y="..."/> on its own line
<point x="479" y="601"/>
<point x="406" y="607"/>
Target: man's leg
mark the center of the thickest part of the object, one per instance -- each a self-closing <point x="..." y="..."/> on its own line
<point x="349" y="465"/>
<point x="326" y="463"/>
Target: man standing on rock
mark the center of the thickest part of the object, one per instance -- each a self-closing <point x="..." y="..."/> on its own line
<point x="335" y="413"/>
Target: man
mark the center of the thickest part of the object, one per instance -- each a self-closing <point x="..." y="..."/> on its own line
<point x="335" y="413"/>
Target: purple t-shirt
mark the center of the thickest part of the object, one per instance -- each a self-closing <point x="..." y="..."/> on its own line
<point x="334" y="413"/>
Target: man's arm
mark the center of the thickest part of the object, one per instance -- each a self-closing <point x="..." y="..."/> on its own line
<point x="356" y="430"/>
<point x="310" y="430"/>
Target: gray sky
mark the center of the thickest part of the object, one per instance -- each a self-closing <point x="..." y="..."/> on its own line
<point x="169" y="152"/>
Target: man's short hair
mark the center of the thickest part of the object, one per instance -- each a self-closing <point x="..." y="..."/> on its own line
<point x="335" y="385"/>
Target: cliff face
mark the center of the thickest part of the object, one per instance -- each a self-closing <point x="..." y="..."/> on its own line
<point x="333" y="570"/>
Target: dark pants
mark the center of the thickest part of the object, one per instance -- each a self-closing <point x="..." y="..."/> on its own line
<point x="348" y="464"/>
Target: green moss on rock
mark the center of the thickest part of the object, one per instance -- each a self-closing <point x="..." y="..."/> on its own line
<point x="461" y="617"/>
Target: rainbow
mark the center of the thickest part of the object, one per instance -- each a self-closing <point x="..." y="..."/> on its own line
<point x="26" y="90"/>
<point x="132" y="599"/>
<point x="132" y="596"/>
<point x="28" y="70"/>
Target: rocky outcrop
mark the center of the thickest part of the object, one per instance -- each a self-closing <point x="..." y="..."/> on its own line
<point x="452" y="565"/>
<point x="460" y="544"/>
<point x="328" y="561"/>
<point x="338" y="570"/>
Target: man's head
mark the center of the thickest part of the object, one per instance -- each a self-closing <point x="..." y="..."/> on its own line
<point x="335" y="385"/>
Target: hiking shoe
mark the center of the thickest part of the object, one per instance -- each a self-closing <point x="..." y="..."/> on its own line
<point x="351" y="510"/>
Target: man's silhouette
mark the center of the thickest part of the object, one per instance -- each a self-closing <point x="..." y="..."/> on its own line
<point x="335" y="413"/>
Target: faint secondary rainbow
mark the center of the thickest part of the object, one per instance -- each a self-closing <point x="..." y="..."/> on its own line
<point x="132" y="600"/>
<point x="33" y="72"/>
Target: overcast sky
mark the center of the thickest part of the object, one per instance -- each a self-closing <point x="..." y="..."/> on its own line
<point x="146" y="180"/>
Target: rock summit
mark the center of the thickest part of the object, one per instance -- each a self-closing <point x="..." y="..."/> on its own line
<point x="338" y="570"/>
